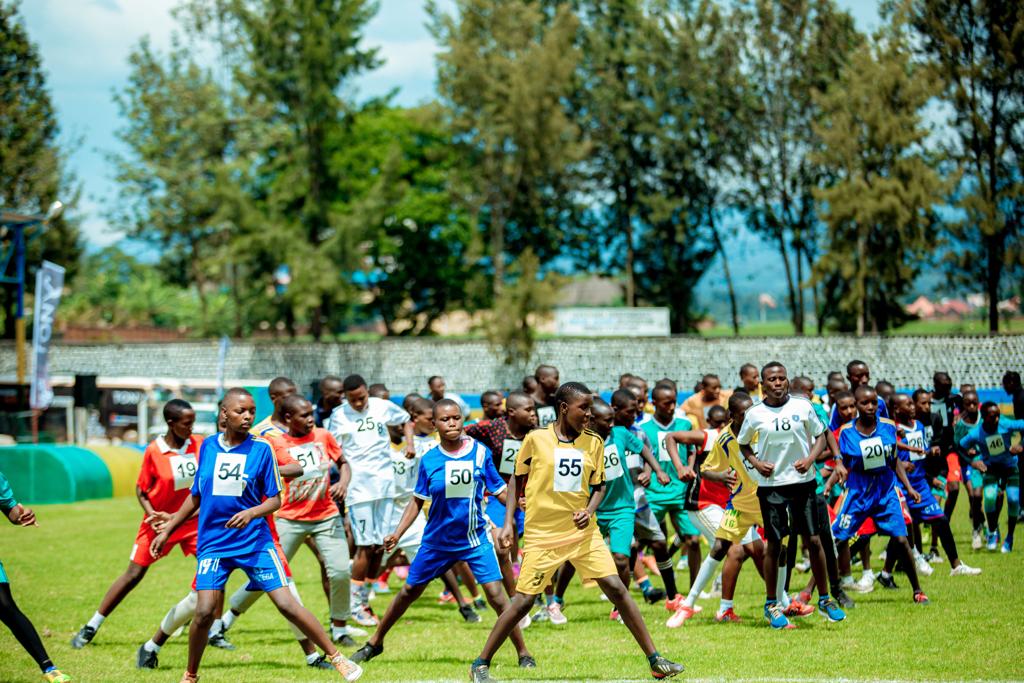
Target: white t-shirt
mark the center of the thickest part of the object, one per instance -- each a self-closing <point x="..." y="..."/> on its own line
<point x="784" y="434"/>
<point x="367" y="447"/>
<point x="406" y="470"/>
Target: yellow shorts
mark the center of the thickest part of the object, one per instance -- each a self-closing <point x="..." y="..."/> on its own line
<point x="735" y="525"/>
<point x="590" y="556"/>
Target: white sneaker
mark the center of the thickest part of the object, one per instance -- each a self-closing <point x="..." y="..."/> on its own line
<point x="976" y="540"/>
<point x="963" y="570"/>
<point x="555" y="614"/>
<point x="683" y="564"/>
<point x="803" y="566"/>
<point x="525" y="622"/>
<point x="922" y="565"/>
<point x="866" y="584"/>
<point x="354" y="631"/>
<point x="362" y="616"/>
<point x="541" y="616"/>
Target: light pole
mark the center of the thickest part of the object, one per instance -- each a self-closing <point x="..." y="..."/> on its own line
<point x="20" y="224"/>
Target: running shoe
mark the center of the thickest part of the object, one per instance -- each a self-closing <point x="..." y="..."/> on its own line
<point x="1007" y="545"/>
<point x="888" y="582"/>
<point x="469" y="614"/>
<point x="321" y="662"/>
<point x="654" y="595"/>
<point x="803" y="566"/>
<point x="83" y="637"/>
<point x="479" y="603"/>
<point x="541" y="615"/>
<point x="933" y="557"/>
<point x="525" y="622"/>
<point x="844" y="600"/>
<point x="884" y="555"/>
<point x="804" y="596"/>
<point x="922" y="565"/>
<point x="675" y="603"/>
<point x="683" y="564"/>
<point x="555" y="614"/>
<point x="680" y="616"/>
<point x="615" y="616"/>
<point x="527" y="662"/>
<point x="355" y="632"/>
<point x="993" y="541"/>
<point x="362" y="615"/>
<point x="776" y="619"/>
<point x="56" y="676"/>
<point x="381" y="587"/>
<point x="663" y="668"/>
<point x="366" y="653"/>
<point x="963" y="570"/>
<point x="445" y="597"/>
<point x="830" y="610"/>
<point x="480" y="673"/>
<point x="866" y="584"/>
<point x="221" y="641"/>
<point x="346" y="667"/>
<point x="920" y="598"/>
<point x="976" y="541"/>
<point x="798" y="608"/>
<point x="728" y="616"/>
<point x="343" y="639"/>
<point x="144" y="659"/>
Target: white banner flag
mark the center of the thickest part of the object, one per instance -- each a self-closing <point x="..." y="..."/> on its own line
<point x="49" y="284"/>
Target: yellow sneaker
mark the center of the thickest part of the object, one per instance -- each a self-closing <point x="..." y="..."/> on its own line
<point x="56" y="676"/>
<point x="346" y="667"/>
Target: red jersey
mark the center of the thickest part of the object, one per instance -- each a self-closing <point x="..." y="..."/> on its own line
<point x="713" y="492"/>
<point x="167" y="473"/>
<point x="307" y="498"/>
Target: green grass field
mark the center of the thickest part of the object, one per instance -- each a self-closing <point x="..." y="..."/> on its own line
<point x="59" y="571"/>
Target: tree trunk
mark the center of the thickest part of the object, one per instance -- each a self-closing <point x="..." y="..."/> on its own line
<point x="862" y="248"/>
<point x="627" y="230"/>
<point x="734" y="309"/>
<point x="498" y="250"/>
<point x="798" y="250"/>
<point x="790" y="289"/>
<point x="992" y="276"/>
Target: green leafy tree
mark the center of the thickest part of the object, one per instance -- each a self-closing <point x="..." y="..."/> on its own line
<point x="880" y="206"/>
<point x="32" y="165"/>
<point x="794" y="47"/>
<point x="527" y="296"/>
<point x="504" y="72"/>
<point x="978" y="48"/>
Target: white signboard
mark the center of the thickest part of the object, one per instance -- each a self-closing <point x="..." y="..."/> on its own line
<point x="611" y="322"/>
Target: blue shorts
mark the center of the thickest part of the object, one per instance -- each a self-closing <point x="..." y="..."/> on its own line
<point x="868" y="497"/>
<point x="928" y="510"/>
<point x="263" y="567"/>
<point x="430" y="563"/>
<point x="3" y="574"/>
<point x="496" y="513"/>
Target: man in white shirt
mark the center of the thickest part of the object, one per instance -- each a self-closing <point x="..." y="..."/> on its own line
<point x="360" y="426"/>
<point x="789" y="437"/>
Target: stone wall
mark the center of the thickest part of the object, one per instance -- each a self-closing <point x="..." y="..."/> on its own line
<point x="470" y="367"/>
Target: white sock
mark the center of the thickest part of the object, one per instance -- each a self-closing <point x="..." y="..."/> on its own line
<point x="337" y="631"/>
<point x="150" y="646"/>
<point x="312" y="657"/>
<point x="780" y="587"/>
<point x="96" y="621"/>
<point x="707" y="571"/>
<point x="724" y="605"/>
<point x="217" y="627"/>
<point x="228" y="619"/>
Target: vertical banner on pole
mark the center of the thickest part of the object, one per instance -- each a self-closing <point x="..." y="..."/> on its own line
<point x="49" y="284"/>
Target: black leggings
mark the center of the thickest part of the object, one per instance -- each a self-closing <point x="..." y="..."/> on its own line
<point x="22" y="628"/>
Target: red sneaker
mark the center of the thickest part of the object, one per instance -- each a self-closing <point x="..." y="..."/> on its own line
<point x="728" y="616"/>
<point x="675" y="603"/>
<point x="798" y="608"/>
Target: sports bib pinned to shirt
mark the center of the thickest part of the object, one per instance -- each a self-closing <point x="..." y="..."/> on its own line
<point x="872" y="451"/>
<point x="183" y="468"/>
<point x="916" y="439"/>
<point x="229" y="474"/>
<point x="568" y="470"/>
<point x="663" y="455"/>
<point x="509" y="452"/>
<point x="545" y="416"/>
<point x="308" y="456"/>
<point x="612" y="462"/>
<point x="458" y="479"/>
<point x="995" y="444"/>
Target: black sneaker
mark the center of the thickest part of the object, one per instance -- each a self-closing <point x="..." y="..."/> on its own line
<point x="654" y="595"/>
<point x="469" y="614"/>
<point x="144" y="659"/>
<point x="480" y="673"/>
<point x="366" y="653"/>
<point x="345" y="640"/>
<point x="888" y="582"/>
<point x="527" y="662"/>
<point x="480" y="603"/>
<point x="320" y="662"/>
<point x="221" y="640"/>
<point x="83" y="637"/>
<point x="663" y="668"/>
<point x="844" y="600"/>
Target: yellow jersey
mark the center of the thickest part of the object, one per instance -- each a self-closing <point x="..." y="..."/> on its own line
<point x="266" y="428"/>
<point x="560" y="475"/>
<point x="744" y="495"/>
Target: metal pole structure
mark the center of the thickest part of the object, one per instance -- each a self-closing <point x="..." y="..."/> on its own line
<point x="19" y="315"/>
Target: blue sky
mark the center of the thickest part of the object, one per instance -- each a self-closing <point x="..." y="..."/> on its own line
<point x="85" y="44"/>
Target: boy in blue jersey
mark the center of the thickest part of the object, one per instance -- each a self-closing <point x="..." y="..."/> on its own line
<point x="867" y="458"/>
<point x="993" y="454"/>
<point x="858" y="374"/>
<point x="236" y="486"/>
<point x="928" y="511"/>
<point x="452" y="476"/>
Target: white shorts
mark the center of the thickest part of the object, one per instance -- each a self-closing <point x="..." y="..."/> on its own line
<point x="410" y="541"/>
<point x="370" y="521"/>
<point x="710" y="518"/>
<point x="645" y="526"/>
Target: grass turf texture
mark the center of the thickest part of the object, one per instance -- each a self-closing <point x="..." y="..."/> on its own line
<point x="60" y="570"/>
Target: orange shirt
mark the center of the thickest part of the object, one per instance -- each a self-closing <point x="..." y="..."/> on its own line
<point x="307" y="498"/>
<point x="166" y="474"/>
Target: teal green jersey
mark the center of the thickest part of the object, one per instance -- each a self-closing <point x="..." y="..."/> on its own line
<point x="674" y="491"/>
<point x="618" y="485"/>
